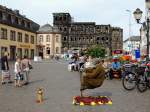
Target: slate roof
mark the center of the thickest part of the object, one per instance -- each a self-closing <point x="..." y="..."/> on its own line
<point x="47" y="28"/>
<point x="133" y="38"/>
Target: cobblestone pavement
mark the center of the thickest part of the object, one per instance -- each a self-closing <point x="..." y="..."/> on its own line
<point x="59" y="88"/>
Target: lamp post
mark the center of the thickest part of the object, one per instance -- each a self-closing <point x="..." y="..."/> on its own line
<point x="129" y="45"/>
<point x="138" y="15"/>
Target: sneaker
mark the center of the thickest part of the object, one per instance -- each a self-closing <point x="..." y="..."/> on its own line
<point x="10" y="82"/>
<point x="3" y="83"/>
<point x="26" y="83"/>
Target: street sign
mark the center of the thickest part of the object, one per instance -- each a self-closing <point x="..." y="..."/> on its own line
<point x="137" y="54"/>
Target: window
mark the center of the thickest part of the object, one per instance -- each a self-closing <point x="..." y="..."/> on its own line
<point x="41" y="38"/>
<point x="12" y="35"/>
<point x="65" y="29"/>
<point x="4" y="16"/>
<point x="19" y="37"/>
<point x="19" y="53"/>
<point x="16" y="20"/>
<point x="1" y="15"/>
<point x="60" y="29"/>
<point x="65" y="38"/>
<point x="23" y="23"/>
<point x="26" y="40"/>
<point x="32" y="39"/>
<point x="60" y="18"/>
<point x="103" y="38"/>
<point x="98" y="38"/>
<point x="57" y="39"/>
<point x="3" y="33"/>
<point x="47" y="38"/>
<point x="47" y="50"/>
<point x="71" y="38"/>
<point x="28" y="24"/>
<point x="3" y="50"/>
<point x="106" y="38"/>
<point x="26" y="52"/>
<point x="9" y="18"/>
<point x="32" y="53"/>
<point x="57" y="50"/>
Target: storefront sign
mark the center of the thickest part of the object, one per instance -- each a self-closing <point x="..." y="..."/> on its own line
<point x="117" y="51"/>
<point x="24" y="46"/>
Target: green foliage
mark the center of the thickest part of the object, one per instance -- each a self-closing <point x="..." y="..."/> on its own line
<point x="96" y="51"/>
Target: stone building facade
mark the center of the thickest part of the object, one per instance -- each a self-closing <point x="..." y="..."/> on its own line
<point x="77" y="35"/>
<point x="17" y="34"/>
<point x="48" y="41"/>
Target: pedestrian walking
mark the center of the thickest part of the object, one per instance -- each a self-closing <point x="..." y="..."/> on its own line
<point x="18" y="74"/>
<point x="5" y="69"/>
<point x="26" y="66"/>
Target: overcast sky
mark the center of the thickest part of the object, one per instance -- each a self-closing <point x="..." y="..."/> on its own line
<point x="100" y="11"/>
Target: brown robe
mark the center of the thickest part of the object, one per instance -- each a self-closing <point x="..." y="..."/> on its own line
<point x="94" y="78"/>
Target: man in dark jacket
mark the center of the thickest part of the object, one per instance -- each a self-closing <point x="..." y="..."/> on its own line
<point x="4" y="68"/>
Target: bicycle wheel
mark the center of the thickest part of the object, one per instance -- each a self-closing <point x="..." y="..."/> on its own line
<point x="129" y="81"/>
<point x="142" y="84"/>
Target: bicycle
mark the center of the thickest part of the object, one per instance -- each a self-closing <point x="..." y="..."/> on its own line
<point x="144" y="79"/>
<point x="130" y="77"/>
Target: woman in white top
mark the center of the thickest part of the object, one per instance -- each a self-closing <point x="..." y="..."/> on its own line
<point x="17" y="71"/>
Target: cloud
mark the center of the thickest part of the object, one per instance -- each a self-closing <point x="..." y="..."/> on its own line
<point x="100" y="11"/>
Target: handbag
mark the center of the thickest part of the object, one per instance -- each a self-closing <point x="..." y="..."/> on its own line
<point x="30" y="66"/>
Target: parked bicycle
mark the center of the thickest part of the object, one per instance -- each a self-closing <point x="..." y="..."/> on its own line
<point x="144" y="79"/>
<point x="129" y="77"/>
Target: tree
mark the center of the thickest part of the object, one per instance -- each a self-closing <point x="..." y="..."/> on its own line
<point x="96" y="51"/>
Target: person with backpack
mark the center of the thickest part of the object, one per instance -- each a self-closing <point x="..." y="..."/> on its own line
<point x="26" y="66"/>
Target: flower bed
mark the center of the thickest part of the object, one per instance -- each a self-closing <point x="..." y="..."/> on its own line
<point x="99" y="100"/>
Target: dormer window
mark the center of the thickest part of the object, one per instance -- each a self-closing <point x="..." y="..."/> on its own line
<point x="22" y="23"/>
<point x="4" y="16"/>
<point x="56" y="18"/>
<point x="1" y="15"/>
<point x="19" y="21"/>
<point x="12" y="19"/>
<point x="60" y="18"/>
<point x="28" y="25"/>
<point x="9" y="18"/>
<point x="25" y="23"/>
<point x="16" y="20"/>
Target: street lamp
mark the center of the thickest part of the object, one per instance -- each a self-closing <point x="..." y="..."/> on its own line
<point x="129" y="44"/>
<point x="138" y="15"/>
<point x="147" y="4"/>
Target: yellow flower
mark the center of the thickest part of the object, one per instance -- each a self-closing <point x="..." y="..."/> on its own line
<point x="110" y="102"/>
<point x="100" y="103"/>
<point x="93" y="103"/>
<point x="81" y="104"/>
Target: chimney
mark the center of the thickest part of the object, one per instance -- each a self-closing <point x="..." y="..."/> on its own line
<point x="16" y="12"/>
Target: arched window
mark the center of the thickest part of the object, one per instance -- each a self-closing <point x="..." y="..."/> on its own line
<point x="47" y="50"/>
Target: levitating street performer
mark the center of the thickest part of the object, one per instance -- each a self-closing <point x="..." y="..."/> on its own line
<point x="92" y="77"/>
